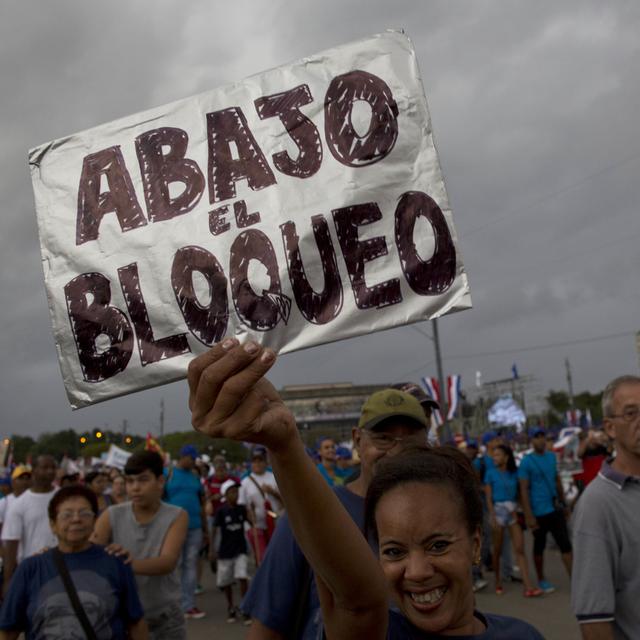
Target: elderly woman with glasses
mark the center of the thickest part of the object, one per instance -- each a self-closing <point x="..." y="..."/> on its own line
<point x="38" y="602"/>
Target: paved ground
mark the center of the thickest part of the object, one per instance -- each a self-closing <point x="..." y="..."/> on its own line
<point x="550" y="614"/>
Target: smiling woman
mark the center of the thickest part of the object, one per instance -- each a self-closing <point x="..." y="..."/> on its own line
<point x="104" y="586"/>
<point x="423" y="506"/>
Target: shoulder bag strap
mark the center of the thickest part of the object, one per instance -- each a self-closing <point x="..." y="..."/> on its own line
<point x="58" y="560"/>
<point x="260" y="489"/>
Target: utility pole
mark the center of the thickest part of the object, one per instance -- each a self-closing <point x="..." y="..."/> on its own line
<point x="162" y="423"/>
<point x="443" y="392"/>
<point x="569" y="383"/>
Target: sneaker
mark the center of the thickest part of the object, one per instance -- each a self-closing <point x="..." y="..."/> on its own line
<point x="246" y="619"/>
<point x="499" y="591"/>
<point x="231" y="615"/>
<point x="533" y="593"/>
<point x="479" y="584"/>
<point x="547" y="587"/>
<point x="198" y="590"/>
<point x="194" y="614"/>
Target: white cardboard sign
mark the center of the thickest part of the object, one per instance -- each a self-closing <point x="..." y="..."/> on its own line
<point x="300" y="206"/>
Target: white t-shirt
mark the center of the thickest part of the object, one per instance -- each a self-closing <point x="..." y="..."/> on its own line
<point x="5" y="503"/>
<point x="28" y="521"/>
<point x="250" y="495"/>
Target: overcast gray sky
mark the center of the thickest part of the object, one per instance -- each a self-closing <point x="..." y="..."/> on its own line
<point x="534" y="107"/>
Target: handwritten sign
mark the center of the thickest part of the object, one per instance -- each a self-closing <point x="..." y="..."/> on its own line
<point x="300" y="206"/>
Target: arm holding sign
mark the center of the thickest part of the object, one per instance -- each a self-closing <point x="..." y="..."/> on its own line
<point x="230" y="398"/>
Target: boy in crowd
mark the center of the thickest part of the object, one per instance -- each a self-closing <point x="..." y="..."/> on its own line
<point x="153" y="532"/>
<point x="232" y="558"/>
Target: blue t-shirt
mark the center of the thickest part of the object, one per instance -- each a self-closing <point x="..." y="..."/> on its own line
<point x="338" y="480"/>
<point x="504" y="485"/>
<point x="497" y="628"/>
<point x="38" y="604"/>
<point x="185" y="490"/>
<point x="285" y="574"/>
<point x="540" y="470"/>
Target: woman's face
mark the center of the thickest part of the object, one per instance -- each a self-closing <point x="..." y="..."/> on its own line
<point x="426" y="554"/>
<point x="499" y="457"/>
<point x="74" y="521"/>
<point x="99" y="484"/>
<point x="118" y="487"/>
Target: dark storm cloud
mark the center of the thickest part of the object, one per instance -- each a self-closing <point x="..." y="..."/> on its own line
<point x="534" y="107"/>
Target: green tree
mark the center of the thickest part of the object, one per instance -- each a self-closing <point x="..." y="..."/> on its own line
<point x="57" y="444"/>
<point x="22" y="447"/>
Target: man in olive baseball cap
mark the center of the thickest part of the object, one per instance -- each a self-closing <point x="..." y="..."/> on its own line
<point x="391" y="404"/>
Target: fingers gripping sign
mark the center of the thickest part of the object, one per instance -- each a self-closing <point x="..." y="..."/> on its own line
<point x="230" y="398"/>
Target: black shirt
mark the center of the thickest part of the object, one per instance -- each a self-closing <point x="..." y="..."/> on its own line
<point x="230" y="520"/>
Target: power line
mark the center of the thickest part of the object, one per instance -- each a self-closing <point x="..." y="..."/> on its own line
<point x="549" y="345"/>
<point x="552" y="194"/>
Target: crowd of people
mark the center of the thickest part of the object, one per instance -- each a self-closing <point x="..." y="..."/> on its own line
<point x="121" y="553"/>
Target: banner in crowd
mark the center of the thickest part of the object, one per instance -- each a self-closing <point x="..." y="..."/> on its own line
<point x="300" y="206"/>
<point x="117" y="457"/>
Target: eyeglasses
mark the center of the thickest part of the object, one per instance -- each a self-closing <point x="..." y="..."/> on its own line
<point x="385" y="442"/>
<point x="629" y="415"/>
<point x="84" y="514"/>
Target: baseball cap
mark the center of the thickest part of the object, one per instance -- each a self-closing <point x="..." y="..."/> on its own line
<point x="228" y="484"/>
<point x="538" y="431"/>
<point x="391" y="403"/>
<point x="20" y="470"/>
<point x="343" y="453"/>
<point x="488" y="436"/>
<point x="418" y="393"/>
<point x="189" y="450"/>
<point x="259" y="452"/>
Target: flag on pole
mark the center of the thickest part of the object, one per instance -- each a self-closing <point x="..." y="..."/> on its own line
<point x="453" y="395"/>
<point x="514" y="371"/>
<point x="151" y="444"/>
<point x="433" y="389"/>
<point x="572" y="417"/>
<point x="478" y="379"/>
<point x="587" y="418"/>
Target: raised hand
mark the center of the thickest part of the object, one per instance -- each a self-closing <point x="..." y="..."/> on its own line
<point x="230" y="398"/>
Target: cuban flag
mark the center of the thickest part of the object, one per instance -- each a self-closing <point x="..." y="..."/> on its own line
<point x="433" y="389"/>
<point x="587" y="418"/>
<point x="573" y="417"/>
<point x="453" y="395"/>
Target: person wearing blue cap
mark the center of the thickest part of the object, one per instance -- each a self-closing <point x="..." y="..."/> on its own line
<point x="185" y="490"/>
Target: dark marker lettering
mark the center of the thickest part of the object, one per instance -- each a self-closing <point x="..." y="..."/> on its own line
<point x="426" y="277"/>
<point x="223" y="128"/>
<point x="318" y="308"/>
<point x="91" y="316"/>
<point x="217" y="222"/>
<point x="303" y="132"/>
<point x="244" y="219"/>
<point x="357" y="253"/>
<point x="120" y="198"/>
<point x="159" y="170"/>
<point x="346" y="145"/>
<point x="151" y="350"/>
<point x="208" y="323"/>
<point x="260" y="312"/>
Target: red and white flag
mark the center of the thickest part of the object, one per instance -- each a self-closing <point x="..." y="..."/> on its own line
<point x="433" y="389"/>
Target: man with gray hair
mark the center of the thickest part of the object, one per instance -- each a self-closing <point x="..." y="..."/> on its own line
<point x="606" y="577"/>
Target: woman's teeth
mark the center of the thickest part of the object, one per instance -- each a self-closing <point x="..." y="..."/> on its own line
<point x="430" y="597"/>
